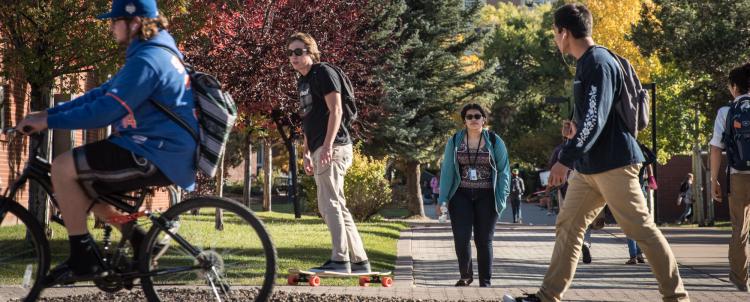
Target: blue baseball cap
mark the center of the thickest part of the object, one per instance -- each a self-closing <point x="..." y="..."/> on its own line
<point x="132" y="8"/>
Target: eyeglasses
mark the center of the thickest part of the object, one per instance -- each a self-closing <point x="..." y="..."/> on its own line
<point x="477" y="116"/>
<point x="298" y="52"/>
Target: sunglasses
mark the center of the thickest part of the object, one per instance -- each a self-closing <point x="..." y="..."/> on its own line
<point x="298" y="52"/>
<point x="473" y="117"/>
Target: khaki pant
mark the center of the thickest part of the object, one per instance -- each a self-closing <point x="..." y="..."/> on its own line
<point x="739" y="211"/>
<point x="329" y="180"/>
<point x="584" y="200"/>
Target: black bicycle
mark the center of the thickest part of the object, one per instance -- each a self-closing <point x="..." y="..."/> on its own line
<point x="201" y="247"/>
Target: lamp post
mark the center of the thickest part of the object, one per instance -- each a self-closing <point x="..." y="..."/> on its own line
<point x="654" y="146"/>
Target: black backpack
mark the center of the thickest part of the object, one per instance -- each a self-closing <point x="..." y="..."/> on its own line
<point x="348" y="100"/>
<point x="736" y="135"/>
<point x="633" y="107"/>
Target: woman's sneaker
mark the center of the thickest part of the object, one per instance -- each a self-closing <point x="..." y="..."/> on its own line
<point x="632" y="261"/>
<point x="331" y="266"/>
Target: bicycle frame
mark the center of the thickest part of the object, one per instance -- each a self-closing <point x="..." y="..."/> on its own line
<point x="38" y="169"/>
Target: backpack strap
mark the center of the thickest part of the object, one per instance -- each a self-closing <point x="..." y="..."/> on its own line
<point x="174" y="117"/>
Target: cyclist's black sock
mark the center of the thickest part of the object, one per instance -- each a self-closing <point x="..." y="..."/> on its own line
<point x="136" y="238"/>
<point x="84" y="254"/>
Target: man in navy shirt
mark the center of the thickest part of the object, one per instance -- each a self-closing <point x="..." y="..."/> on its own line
<point x="606" y="160"/>
<point x="146" y="148"/>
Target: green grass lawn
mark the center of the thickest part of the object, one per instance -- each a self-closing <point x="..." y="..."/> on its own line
<point x="300" y="243"/>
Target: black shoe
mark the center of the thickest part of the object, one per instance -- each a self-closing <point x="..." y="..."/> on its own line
<point x="64" y="274"/>
<point x="334" y="267"/>
<point x="527" y="298"/>
<point x="640" y="259"/>
<point x="632" y="261"/>
<point x="464" y="282"/>
<point x="361" y="267"/>
<point x="586" y="254"/>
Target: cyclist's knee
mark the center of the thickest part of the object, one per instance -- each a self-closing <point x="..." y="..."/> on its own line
<point x="63" y="167"/>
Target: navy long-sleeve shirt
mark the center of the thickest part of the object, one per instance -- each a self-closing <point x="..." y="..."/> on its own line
<point x="602" y="141"/>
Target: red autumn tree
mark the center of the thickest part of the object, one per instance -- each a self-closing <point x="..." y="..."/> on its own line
<point x="245" y="45"/>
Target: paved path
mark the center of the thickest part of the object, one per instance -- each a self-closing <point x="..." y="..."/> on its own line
<point x="522" y="254"/>
<point x="426" y="267"/>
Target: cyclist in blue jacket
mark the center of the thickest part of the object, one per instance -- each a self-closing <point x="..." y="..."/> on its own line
<point x="146" y="148"/>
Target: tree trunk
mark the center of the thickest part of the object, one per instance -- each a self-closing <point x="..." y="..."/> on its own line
<point x="292" y="190"/>
<point x="248" y="182"/>
<point x="41" y="99"/>
<point x="220" y="192"/>
<point x="267" y="175"/>
<point x="414" y="190"/>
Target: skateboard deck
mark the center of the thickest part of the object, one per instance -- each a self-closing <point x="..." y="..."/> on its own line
<point x="313" y="277"/>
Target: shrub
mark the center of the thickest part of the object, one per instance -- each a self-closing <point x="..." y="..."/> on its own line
<point x="365" y="187"/>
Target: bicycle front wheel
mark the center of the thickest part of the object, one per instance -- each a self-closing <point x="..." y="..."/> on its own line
<point x="24" y="251"/>
<point x="227" y="246"/>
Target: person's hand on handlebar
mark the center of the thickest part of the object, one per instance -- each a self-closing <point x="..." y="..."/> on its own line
<point x="33" y="123"/>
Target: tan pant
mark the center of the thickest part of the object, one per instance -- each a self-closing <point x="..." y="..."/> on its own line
<point x="584" y="200"/>
<point x="329" y="180"/>
<point x="739" y="211"/>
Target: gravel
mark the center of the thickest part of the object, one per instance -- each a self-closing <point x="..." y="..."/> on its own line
<point x="241" y="295"/>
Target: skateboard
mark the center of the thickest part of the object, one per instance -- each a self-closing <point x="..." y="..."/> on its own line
<point x="313" y="278"/>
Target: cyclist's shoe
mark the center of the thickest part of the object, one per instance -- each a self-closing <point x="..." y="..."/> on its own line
<point x="84" y="262"/>
<point x="586" y="254"/>
<point x="361" y="267"/>
<point x="334" y="267"/>
<point x="527" y="298"/>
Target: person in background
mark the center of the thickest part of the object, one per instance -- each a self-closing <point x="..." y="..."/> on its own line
<point x="517" y="189"/>
<point x="435" y="186"/>
<point x="686" y="198"/>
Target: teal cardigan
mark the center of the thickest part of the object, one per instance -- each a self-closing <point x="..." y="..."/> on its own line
<point x="450" y="176"/>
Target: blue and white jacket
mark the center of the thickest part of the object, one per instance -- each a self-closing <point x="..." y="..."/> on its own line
<point x="150" y="72"/>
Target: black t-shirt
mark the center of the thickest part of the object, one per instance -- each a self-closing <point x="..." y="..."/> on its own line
<point x="313" y="87"/>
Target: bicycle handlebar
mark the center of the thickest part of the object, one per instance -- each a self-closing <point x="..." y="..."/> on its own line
<point x="36" y="138"/>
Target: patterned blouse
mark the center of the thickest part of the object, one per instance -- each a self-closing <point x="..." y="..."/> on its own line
<point x="480" y="161"/>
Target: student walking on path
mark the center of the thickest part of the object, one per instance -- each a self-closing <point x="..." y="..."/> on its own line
<point x="474" y="181"/>
<point x="731" y="128"/>
<point x="517" y="189"/>
<point x="606" y="159"/>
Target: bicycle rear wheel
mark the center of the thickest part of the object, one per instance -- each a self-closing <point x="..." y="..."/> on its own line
<point x="24" y="251"/>
<point x="238" y="252"/>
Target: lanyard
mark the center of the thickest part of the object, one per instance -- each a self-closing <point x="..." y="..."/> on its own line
<point x="473" y="163"/>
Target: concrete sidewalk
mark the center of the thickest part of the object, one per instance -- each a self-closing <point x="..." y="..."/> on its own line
<point x="426" y="267"/>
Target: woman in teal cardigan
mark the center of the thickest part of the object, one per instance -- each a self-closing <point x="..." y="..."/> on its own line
<point x="474" y="182"/>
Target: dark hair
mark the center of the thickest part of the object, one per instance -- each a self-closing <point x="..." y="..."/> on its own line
<point x="740" y="77"/>
<point x="473" y="106"/>
<point x="576" y="18"/>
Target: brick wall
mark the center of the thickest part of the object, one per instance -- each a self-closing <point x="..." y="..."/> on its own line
<point x="670" y="176"/>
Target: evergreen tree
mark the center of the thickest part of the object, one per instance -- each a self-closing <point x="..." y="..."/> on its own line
<point x="428" y="76"/>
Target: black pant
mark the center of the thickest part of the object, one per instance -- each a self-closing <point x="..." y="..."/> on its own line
<point x="473" y="209"/>
<point x="515" y="203"/>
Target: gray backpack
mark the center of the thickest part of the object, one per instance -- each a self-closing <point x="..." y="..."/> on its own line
<point x="216" y="114"/>
<point x="633" y="106"/>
